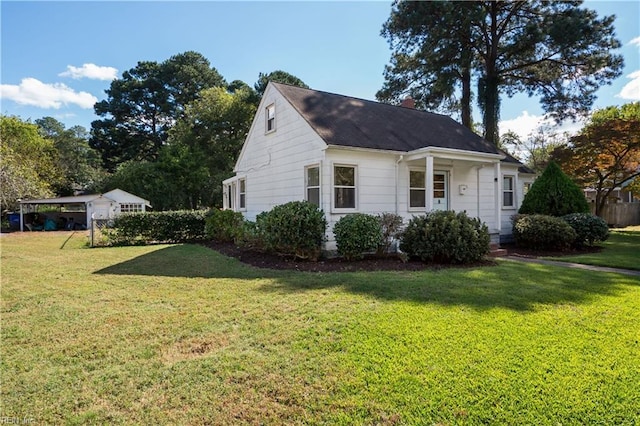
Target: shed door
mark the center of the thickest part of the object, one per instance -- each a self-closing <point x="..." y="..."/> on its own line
<point x="440" y="191"/>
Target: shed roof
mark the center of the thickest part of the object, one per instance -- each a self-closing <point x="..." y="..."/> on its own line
<point x="82" y="199"/>
<point x="345" y="121"/>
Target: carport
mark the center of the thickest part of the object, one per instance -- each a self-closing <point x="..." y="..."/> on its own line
<point x="80" y="210"/>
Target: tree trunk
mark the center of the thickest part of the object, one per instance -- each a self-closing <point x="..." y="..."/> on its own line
<point x="466" y="93"/>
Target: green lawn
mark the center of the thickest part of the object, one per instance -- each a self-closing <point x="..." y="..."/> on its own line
<point x="621" y="250"/>
<point x="178" y="334"/>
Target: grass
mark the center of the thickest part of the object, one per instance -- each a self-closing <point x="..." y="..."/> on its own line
<point x="621" y="250"/>
<point x="178" y="334"/>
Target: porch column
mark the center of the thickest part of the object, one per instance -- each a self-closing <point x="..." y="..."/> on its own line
<point x="498" y="196"/>
<point x="428" y="185"/>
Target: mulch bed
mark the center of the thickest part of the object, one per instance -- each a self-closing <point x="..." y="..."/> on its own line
<point x="370" y="263"/>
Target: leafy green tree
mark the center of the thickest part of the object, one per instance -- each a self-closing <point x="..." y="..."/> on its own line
<point x="554" y="194"/>
<point x="536" y="150"/>
<point x="277" y="76"/>
<point x="143" y="105"/>
<point x="555" y="50"/>
<point x="606" y="152"/>
<point x="28" y="166"/>
<point x="79" y="164"/>
<point x="212" y="131"/>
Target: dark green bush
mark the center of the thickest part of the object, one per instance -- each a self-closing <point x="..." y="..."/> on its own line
<point x="589" y="229"/>
<point x="446" y="237"/>
<point x="224" y="225"/>
<point x="554" y="194"/>
<point x="538" y="231"/>
<point x="296" y="228"/>
<point x="391" y="224"/>
<point x="357" y="234"/>
<point x="157" y="227"/>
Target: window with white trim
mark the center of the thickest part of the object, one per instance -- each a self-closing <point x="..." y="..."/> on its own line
<point x="344" y="187"/>
<point x="270" y="117"/>
<point x="242" y="193"/>
<point x="312" y="183"/>
<point x="417" y="191"/>
<point x="508" y="194"/>
<point x="131" y="208"/>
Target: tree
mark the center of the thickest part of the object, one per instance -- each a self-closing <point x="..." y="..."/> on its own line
<point x="79" y="164"/>
<point x="554" y="194"/>
<point x="277" y="76"/>
<point x="415" y="31"/>
<point x="555" y="50"/>
<point x="606" y="152"/>
<point x="212" y="131"/>
<point x="536" y="150"/>
<point x="143" y="105"/>
<point x="28" y="163"/>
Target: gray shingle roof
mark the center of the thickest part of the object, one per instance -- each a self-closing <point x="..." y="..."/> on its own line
<point x="345" y="121"/>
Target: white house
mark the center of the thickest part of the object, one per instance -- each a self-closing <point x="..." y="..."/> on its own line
<point x="83" y="208"/>
<point x="351" y="155"/>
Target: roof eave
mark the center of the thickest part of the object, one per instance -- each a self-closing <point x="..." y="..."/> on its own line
<point x="454" y="154"/>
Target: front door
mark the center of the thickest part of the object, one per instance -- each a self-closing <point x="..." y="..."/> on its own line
<point x="440" y="191"/>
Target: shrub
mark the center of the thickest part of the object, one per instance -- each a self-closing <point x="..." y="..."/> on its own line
<point x="542" y="232"/>
<point x="589" y="229"/>
<point x="157" y="227"/>
<point x="224" y="225"/>
<point x="391" y="224"/>
<point x="446" y="237"/>
<point x="296" y="228"/>
<point x="357" y="234"/>
<point x="554" y="194"/>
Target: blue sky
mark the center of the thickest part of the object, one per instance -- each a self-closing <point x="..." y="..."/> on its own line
<point x="58" y="58"/>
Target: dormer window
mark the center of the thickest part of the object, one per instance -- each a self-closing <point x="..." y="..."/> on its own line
<point x="270" y="118"/>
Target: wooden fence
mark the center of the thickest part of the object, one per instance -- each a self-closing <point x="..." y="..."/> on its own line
<point x="619" y="215"/>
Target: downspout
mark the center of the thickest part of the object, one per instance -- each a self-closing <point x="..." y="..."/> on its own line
<point x="478" y="168"/>
<point x="400" y="158"/>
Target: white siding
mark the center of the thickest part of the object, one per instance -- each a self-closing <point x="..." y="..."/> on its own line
<point x="274" y="163"/>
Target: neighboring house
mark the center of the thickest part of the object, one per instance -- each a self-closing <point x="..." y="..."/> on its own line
<point x="350" y="155"/>
<point x="620" y="194"/>
<point x="82" y="208"/>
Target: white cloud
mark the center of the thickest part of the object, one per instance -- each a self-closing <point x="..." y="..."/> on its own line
<point x="91" y="71"/>
<point x="635" y="42"/>
<point x="523" y="125"/>
<point x="631" y="90"/>
<point x="36" y="93"/>
<point x="527" y="124"/>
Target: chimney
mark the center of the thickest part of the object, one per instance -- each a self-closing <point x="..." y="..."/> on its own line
<point x="408" y="102"/>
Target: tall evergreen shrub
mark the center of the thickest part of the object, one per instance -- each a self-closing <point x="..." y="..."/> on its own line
<point x="554" y="194"/>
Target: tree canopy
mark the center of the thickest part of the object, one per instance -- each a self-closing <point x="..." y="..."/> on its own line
<point x="78" y="163"/>
<point x="606" y="152"/>
<point x="278" y="76"/>
<point x="28" y="166"/>
<point x="556" y="50"/>
<point x="143" y="105"/>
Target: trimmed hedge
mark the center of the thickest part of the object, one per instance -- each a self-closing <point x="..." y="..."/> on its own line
<point x="296" y="228"/>
<point x="446" y="237"/>
<point x="157" y="227"/>
<point x="589" y="229"/>
<point x="357" y="234"/>
<point x="224" y="225"/>
<point x="538" y="231"/>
